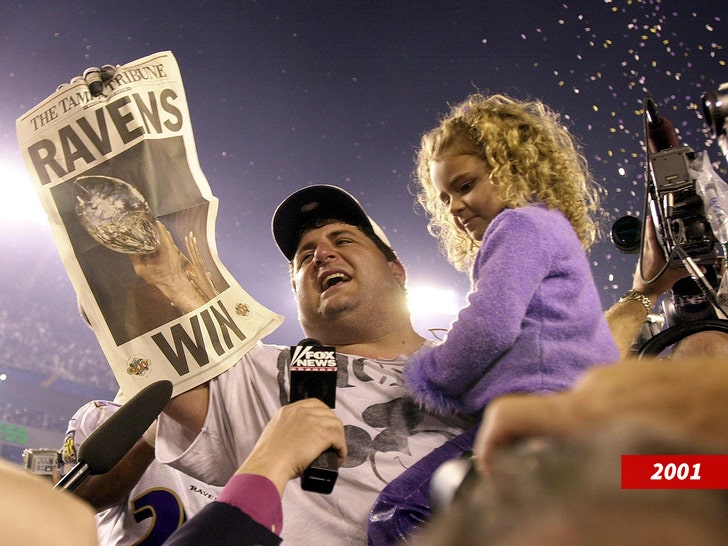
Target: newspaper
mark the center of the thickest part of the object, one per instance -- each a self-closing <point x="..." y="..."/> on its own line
<point x="113" y="161"/>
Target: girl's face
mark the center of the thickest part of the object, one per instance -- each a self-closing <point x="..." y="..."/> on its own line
<point x="465" y="188"/>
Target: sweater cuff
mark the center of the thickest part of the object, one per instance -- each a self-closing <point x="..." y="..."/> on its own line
<point x="256" y="496"/>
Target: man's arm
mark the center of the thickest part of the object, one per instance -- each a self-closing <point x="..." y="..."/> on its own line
<point x="103" y="491"/>
<point x="189" y="409"/>
<point x="166" y="269"/>
<point x="625" y="318"/>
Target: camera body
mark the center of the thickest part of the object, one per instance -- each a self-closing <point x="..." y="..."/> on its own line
<point x="678" y="214"/>
<point x="674" y="194"/>
<point x="42" y="461"/>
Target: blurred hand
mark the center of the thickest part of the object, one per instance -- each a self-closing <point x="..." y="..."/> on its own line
<point x="685" y="396"/>
<point x="651" y="263"/>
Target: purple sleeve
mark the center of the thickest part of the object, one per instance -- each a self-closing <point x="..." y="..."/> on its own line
<point x="256" y="496"/>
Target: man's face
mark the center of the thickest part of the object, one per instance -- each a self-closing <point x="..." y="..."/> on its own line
<point x="339" y="274"/>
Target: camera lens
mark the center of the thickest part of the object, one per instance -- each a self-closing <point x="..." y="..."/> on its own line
<point x="715" y="109"/>
<point x="627" y="234"/>
<point x="689" y="301"/>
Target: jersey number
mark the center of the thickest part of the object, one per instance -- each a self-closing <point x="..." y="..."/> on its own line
<point x="166" y="511"/>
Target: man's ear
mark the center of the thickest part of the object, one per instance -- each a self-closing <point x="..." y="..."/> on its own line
<point x="399" y="271"/>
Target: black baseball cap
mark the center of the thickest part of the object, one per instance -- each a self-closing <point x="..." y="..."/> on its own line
<point x="312" y="203"/>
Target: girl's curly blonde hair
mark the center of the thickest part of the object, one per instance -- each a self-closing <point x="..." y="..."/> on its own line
<point x="532" y="158"/>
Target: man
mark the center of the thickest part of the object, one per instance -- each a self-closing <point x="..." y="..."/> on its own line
<point x="350" y="293"/>
<point x="247" y="510"/>
<point x="139" y="499"/>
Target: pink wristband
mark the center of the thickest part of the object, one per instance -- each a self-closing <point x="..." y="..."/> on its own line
<point x="256" y="496"/>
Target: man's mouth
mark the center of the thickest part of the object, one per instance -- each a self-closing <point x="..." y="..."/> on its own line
<point x="333" y="279"/>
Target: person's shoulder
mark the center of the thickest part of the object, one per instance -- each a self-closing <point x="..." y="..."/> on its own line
<point x="537" y="217"/>
<point x="537" y="212"/>
<point x="265" y="350"/>
<point x="528" y="218"/>
<point x="534" y="226"/>
<point x="260" y="360"/>
<point x="92" y="414"/>
<point x="86" y="420"/>
<point x="260" y="354"/>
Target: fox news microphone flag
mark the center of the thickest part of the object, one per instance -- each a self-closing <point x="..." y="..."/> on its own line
<point x="313" y="375"/>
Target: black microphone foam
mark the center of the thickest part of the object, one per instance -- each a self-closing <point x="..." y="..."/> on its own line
<point x="113" y="439"/>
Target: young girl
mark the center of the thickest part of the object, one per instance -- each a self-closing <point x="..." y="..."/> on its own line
<point x="509" y="195"/>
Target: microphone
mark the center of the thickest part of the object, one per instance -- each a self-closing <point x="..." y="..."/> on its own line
<point x="451" y="480"/>
<point x="313" y="375"/>
<point x="660" y="133"/>
<point x="113" y="439"/>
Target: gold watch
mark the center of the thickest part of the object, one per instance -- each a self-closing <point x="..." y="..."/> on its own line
<point x="637" y="296"/>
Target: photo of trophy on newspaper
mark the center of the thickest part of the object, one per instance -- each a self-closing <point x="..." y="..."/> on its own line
<point x="118" y="216"/>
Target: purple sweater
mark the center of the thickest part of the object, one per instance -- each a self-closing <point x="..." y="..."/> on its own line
<point x="533" y="322"/>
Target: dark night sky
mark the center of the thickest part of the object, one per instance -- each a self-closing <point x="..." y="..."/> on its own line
<point x="286" y="94"/>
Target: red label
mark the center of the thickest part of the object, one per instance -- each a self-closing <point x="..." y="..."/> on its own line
<point x="674" y="471"/>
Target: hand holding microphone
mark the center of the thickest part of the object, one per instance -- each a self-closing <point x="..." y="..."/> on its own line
<point x="294" y="437"/>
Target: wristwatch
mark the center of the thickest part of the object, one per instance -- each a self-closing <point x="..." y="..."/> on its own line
<point x="637" y="296"/>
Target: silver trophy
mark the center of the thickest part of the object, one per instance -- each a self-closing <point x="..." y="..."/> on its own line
<point x="116" y="214"/>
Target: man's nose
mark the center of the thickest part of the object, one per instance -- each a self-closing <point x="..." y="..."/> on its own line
<point x="323" y="253"/>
